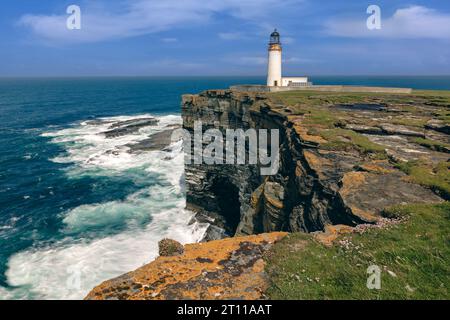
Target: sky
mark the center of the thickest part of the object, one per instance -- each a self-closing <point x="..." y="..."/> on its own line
<point x="223" y="37"/>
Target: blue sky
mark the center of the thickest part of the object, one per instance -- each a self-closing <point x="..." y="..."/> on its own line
<point x="223" y="37"/>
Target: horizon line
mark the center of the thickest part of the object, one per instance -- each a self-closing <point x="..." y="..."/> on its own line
<point x="211" y="76"/>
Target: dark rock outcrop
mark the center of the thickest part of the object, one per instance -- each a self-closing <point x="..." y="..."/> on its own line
<point x="122" y="128"/>
<point x="157" y="141"/>
<point x="169" y="248"/>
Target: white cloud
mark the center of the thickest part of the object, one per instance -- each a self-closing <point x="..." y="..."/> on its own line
<point x="247" y="60"/>
<point x="138" y="17"/>
<point x="287" y="40"/>
<point x="296" y="60"/>
<point x="231" y="35"/>
<point x="169" y="40"/>
<point x="410" y="22"/>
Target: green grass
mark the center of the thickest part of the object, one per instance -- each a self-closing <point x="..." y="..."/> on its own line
<point x="351" y="139"/>
<point x="318" y="116"/>
<point x="443" y="115"/>
<point x="437" y="97"/>
<point x="405" y="102"/>
<point x="418" y="123"/>
<point x="437" y="178"/>
<point x="323" y="121"/>
<point x="432" y="144"/>
<point x="320" y="98"/>
<point x="442" y="95"/>
<point x="416" y="251"/>
<point x="423" y="105"/>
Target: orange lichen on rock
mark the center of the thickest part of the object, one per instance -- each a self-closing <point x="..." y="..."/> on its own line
<point x="331" y="233"/>
<point x="304" y="135"/>
<point x="351" y="181"/>
<point x="272" y="196"/>
<point x="255" y="198"/>
<point x="315" y="162"/>
<point x="230" y="268"/>
<point x="377" y="166"/>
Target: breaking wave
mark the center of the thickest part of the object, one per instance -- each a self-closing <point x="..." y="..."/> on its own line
<point x="99" y="241"/>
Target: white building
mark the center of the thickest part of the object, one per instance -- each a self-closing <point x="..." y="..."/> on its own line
<point x="274" y="69"/>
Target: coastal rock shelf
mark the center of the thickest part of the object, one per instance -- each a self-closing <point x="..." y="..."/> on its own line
<point x="339" y="161"/>
<point x="232" y="268"/>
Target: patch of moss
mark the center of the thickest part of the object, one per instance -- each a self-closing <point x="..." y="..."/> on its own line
<point x="419" y="123"/>
<point x="432" y="144"/>
<point x="405" y="102"/>
<point x="319" y="116"/>
<point x="169" y="247"/>
<point x="343" y="139"/>
<point x="437" y="177"/>
<point x="413" y="256"/>
<point x="301" y="99"/>
<point x="443" y="115"/>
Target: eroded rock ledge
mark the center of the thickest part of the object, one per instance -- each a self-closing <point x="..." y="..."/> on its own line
<point x="231" y="268"/>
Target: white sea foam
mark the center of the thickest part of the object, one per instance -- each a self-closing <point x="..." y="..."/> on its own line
<point x="70" y="271"/>
<point x="70" y="268"/>
<point x="133" y="211"/>
<point x="88" y="148"/>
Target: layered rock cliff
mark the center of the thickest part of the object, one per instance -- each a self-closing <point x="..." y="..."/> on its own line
<point x="329" y="173"/>
<point x="345" y="161"/>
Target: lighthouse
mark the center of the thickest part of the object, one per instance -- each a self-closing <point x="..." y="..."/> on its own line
<point x="274" y="66"/>
<point x="275" y="79"/>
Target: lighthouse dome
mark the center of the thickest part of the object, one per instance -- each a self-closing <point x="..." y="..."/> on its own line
<point x="275" y="37"/>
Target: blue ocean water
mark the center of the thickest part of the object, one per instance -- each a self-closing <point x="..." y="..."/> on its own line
<point x="77" y="208"/>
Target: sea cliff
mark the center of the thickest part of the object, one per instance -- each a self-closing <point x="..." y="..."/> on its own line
<point x="353" y="167"/>
<point x="338" y="161"/>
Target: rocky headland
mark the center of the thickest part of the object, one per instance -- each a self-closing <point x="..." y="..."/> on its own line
<point x="363" y="179"/>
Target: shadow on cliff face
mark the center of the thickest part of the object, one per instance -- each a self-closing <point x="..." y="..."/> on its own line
<point x="227" y="197"/>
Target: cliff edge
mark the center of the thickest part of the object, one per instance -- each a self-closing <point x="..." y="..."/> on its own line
<point x="363" y="180"/>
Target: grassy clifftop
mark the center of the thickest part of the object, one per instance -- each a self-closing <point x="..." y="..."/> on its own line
<point x="413" y="255"/>
<point x="384" y="124"/>
<point x="406" y="132"/>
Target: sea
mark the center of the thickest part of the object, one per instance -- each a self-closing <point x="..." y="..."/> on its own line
<point x="76" y="207"/>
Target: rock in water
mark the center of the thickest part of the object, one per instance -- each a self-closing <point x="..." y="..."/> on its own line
<point x="158" y="141"/>
<point x="122" y="128"/>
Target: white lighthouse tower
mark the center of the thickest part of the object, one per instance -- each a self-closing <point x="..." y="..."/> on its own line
<point x="274" y="66"/>
<point x="275" y="79"/>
